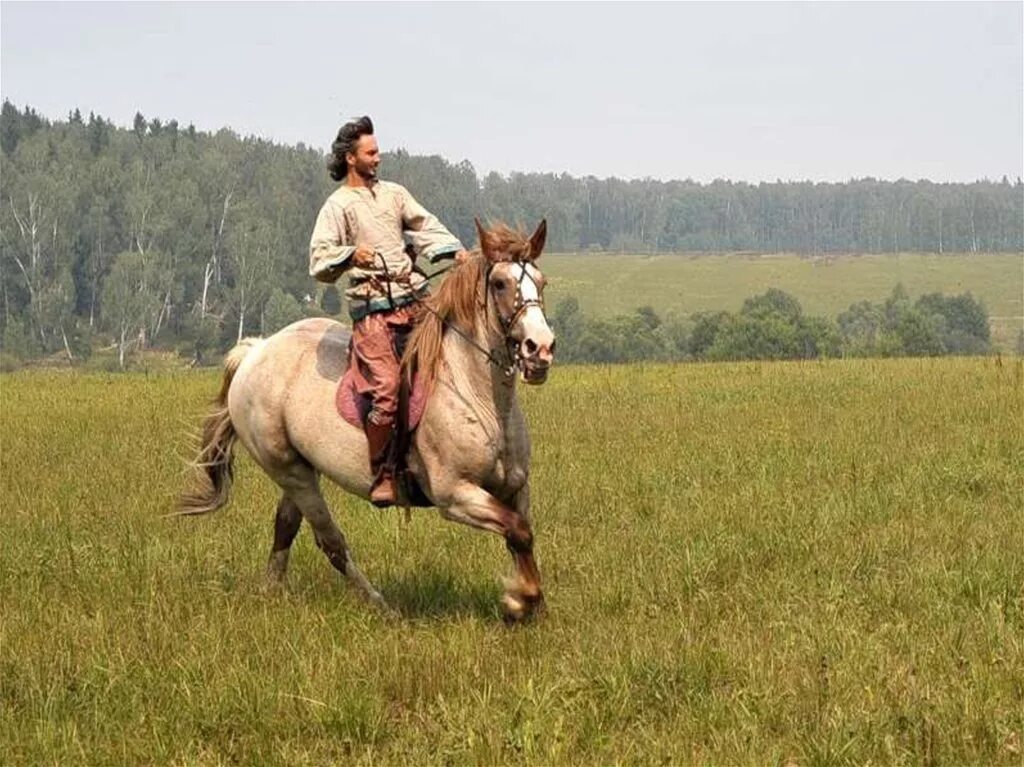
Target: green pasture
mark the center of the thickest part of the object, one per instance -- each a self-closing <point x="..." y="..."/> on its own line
<point x="787" y="563"/>
<point x="608" y="284"/>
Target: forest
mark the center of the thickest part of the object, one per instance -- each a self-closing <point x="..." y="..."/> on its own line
<point x="162" y="236"/>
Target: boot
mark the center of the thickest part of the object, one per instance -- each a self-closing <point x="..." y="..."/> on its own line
<point x="382" y="493"/>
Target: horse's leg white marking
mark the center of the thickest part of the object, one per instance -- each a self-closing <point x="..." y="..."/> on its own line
<point x="277" y="567"/>
<point x="332" y="542"/>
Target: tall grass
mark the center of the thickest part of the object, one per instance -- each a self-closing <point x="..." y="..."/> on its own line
<point x="790" y="563"/>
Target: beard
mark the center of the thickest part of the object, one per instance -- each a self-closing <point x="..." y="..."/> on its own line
<point x="365" y="172"/>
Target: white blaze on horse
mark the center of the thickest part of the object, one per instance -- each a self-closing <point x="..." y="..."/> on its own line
<point x="470" y="453"/>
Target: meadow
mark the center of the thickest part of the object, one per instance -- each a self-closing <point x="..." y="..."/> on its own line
<point x="608" y="284"/>
<point x="787" y="563"/>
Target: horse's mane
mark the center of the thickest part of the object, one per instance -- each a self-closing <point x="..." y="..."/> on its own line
<point x="453" y="302"/>
<point x="456" y="300"/>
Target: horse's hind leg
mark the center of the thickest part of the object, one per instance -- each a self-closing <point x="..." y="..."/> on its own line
<point x="286" y="526"/>
<point x="331" y="541"/>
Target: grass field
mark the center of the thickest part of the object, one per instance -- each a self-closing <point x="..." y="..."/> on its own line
<point x="611" y="284"/>
<point x="787" y="563"/>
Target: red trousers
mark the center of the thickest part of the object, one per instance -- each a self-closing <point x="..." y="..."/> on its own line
<point x="375" y="363"/>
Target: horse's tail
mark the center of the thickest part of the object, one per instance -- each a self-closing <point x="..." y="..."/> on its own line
<point x="211" y="470"/>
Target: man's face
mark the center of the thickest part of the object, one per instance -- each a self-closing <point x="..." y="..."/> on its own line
<point x="365" y="159"/>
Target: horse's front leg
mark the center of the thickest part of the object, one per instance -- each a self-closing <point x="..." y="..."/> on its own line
<point x="526" y="592"/>
<point x="472" y="505"/>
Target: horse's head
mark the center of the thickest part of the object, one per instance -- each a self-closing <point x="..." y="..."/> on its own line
<point x="515" y="288"/>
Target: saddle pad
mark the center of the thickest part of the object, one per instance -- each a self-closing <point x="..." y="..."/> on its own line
<point x="355" y="407"/>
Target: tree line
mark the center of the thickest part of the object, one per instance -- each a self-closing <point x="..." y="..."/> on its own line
<point x="160" y="234"/>
<point x="773" y="326"/>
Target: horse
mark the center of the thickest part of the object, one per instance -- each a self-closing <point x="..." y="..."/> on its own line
<point x="483" y="329"/>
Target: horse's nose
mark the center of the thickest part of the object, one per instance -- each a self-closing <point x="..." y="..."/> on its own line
<point x="540" y="347"/>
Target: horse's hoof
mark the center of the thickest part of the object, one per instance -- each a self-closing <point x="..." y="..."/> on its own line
<point x="519" y="607"/>
<point x="515" y="608"/>
<point x="274" y="582"/>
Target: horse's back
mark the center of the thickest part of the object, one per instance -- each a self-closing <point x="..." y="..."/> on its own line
<point x="282" y="402"/>
<point x="314" y="347"/>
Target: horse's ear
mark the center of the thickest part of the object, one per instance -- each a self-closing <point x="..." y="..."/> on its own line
<point x="486" y="242"/>
<point x="537" y="240"/>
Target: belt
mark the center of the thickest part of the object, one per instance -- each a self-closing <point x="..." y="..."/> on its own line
<point x="361" y="307"/>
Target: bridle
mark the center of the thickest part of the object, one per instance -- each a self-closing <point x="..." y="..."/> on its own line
<point x="520" y="305"/>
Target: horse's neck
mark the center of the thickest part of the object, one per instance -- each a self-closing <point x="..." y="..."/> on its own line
<point x="475" y="377"/>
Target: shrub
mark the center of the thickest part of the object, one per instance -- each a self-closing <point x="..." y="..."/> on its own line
<point x="282" y="309"/>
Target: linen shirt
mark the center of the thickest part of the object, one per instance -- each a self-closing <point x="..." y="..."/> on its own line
<point x="380" y="217"/>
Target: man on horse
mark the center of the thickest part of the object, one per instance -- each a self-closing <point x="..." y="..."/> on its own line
<point x="363" y="229"/>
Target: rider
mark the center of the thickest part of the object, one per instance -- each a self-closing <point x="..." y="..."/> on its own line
<point x="362" y="229"/>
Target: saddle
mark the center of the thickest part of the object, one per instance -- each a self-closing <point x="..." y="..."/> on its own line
<point x="355" y="408"/>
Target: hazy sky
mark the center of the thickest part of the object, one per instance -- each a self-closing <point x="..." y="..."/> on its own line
<point x="820" y="91"/>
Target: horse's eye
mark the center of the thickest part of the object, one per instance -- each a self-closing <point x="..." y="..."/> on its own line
<point x="499" y="285"/>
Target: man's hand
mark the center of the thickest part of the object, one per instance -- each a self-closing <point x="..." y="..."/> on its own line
<point x="364" y="256"/>
<point x="462" y="256"/>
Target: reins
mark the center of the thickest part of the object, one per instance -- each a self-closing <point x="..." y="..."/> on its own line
<point x="508" y="370"/>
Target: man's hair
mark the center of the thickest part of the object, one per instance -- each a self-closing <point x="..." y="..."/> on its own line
<point x="348" y="136"/>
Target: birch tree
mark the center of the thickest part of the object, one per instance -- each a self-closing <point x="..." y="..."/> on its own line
<point x="129" y="299"/>
<point x="251" y="250"/>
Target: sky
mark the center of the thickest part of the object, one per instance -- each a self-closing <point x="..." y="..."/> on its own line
<point x="735" y="90"/>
